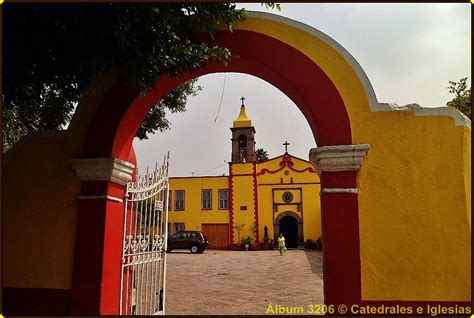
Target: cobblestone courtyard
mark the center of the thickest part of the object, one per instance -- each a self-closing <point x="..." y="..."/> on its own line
<point x="239" y="282"/>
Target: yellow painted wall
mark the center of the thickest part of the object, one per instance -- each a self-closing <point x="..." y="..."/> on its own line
<point x="414" y="201"/>
<point x="414" y="206"/>
<point x="40" y="191"/>
<point x="243" y="195"/>
<point x="39" y="214"/>
<point x="193" y="215"/>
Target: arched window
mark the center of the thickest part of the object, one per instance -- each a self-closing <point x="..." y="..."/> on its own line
<point x="242" y="141"/>
<point x="243" y="148"/>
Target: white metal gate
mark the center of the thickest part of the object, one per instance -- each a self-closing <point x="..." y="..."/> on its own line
<point x="143" y="280"/>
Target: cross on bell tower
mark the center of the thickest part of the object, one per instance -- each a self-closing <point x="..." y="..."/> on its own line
<point x="286" y="144"/>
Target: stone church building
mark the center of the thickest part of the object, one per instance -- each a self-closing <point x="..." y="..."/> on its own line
<point x="256" y="199"/>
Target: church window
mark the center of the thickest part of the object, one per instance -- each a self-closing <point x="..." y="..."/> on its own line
<point x="242" y="141"/>
<point x="178" y="227"/>
<point x="287" y="197"/>
<point x="170" y="203"/>
<point x="223" y="199"/>
<point x="206" y="199"/>
<point x="243" y="148"/>
<point x="179" y="200"/>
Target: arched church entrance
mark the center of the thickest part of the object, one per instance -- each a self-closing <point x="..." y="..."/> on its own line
<point x="289" y="229"/>
<point x="291" y="226"/>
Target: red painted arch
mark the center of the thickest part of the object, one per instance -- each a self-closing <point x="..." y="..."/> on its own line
<point x="114" y="126"/>
<point x="121" y="111"/>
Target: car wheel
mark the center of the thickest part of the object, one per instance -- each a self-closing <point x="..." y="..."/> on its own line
<point x="194" y="249"/>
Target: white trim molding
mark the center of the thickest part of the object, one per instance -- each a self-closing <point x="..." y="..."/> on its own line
<point x="339" y="190"/>
<point x="100" y="197"/>
<point x="338" y="158"/>
<point x="103" y="169"/>
<point x="459" y="118"/>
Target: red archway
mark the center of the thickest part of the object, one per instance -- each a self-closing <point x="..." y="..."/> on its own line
<point x="111" y="132"/>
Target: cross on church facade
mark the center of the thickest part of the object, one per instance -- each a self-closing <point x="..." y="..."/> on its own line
<point x="286" y="144"/>
<point x="242" y="99"/>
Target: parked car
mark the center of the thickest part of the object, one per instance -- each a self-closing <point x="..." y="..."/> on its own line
<point x="195" y="241"/>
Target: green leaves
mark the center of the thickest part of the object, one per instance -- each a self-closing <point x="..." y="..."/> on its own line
<point x="261" y="155"/>
<point x="55" y="50"/>
<point x="175" y="101"/>
<point x="462" y="97"/>
<point x="272" y="5"/>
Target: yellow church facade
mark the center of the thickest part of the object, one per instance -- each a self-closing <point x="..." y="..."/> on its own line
<point x="256" y="199"/>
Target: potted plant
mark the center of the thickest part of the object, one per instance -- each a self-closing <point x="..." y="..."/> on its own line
<point x="246" y="241"/>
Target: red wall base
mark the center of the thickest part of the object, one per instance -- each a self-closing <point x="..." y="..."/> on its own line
<point x="97" y="266"/>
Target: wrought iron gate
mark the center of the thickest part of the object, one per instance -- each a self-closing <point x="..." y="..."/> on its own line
<point x="143" y="281"/>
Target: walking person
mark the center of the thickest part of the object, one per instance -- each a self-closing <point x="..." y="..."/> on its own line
<point x="281" y="244"/>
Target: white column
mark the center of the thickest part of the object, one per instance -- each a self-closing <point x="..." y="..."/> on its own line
<point x="338" y="158"/>
<point x="103" y="169"/>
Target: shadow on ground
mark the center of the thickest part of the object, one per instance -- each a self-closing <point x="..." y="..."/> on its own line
<point x="315" y="259"/>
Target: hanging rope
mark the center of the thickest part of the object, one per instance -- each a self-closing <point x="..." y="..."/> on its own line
<point x="222" y="97"/>
<point x="204" y="172"/>
<point x="201" y="173"/>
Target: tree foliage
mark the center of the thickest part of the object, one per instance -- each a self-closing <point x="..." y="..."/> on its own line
<point x="462" y="97"/>
<point x="272" y="5"/>
<point x="55" y="50"/>
<point x="175" y="101"/>
<point x="261" y="155"/>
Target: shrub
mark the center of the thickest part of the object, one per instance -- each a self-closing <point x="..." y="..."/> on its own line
<point x="247" y="240"/>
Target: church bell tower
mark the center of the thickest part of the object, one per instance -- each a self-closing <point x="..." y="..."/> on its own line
<point x="243" y="134"/>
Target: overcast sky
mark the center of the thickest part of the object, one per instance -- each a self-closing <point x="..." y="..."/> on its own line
<point x="408" y="51"/>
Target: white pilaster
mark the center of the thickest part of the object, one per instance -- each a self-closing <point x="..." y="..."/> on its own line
<point x="103" y="169"/>
<point x="338" y="158"/>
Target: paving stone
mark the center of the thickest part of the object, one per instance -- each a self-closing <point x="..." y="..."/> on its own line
<point x="241" y="282"/>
